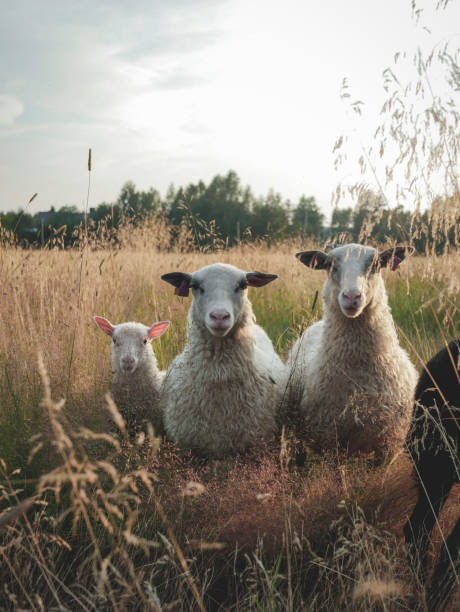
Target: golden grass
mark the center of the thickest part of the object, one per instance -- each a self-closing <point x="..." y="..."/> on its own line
<point x="134" y="526"/>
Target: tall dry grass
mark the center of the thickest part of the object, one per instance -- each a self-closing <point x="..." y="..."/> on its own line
<point x="138" y="525"/>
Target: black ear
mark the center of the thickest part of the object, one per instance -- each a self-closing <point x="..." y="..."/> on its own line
<point x="259" y="279"/>
<point x="394" y="256"/>
<point x="177" y="278"/>
<point x="314" y="259"/>
<point x="180" y="280"/>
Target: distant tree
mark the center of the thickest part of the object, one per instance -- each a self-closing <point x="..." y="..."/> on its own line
<point x="342" y="220"/>
<point x="102" y="211"/>
<point x="149" y="202"/>
<point x="307" y="218"/>
<point x="270" y="216"/>
<point x="392" y="223"/>
<point x="224" y="201"/>
<point x="169" y="198"/>
<point x="138" y="203"/>
<point x="218" y="210"/>
<point x="228" y="203"/>
<point x="366" y="214"/>
<point x="373" y="220"/>
<point x="69" y="208"/>
<point x="23" y="224"/>
<point x="185" y="201"/>
<point x="110" y="212"/>
<point x="128" y="198"/>
<point x="66" y="219"/>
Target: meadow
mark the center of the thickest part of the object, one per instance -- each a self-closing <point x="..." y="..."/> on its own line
<point x="124" y="525"/>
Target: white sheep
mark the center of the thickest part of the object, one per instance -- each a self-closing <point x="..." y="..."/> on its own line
<point x="220" y="395"/>
<point x="136" y="379"/>
<point x="354" y="381"/>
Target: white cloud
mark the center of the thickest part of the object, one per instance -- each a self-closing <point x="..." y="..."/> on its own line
<point x="10" y="109"/>
<point x="179" y="91"/>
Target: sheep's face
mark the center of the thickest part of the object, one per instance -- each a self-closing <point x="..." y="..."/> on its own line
<point x="130" y="342"/>
<point x="353" y="274"/>
<point x="351" y="281"/>
<point x="219" y="294"/>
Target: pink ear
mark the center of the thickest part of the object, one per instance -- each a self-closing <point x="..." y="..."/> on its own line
<point x="158" y="329"/>
<point x="104" y="325"/>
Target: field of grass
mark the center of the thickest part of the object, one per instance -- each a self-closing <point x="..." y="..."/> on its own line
<point x="141" y="526"/>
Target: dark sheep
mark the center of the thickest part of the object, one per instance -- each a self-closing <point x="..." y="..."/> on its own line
<point x="433" y="443"/>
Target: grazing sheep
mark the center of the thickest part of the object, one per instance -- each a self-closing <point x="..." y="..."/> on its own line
<point x="136" y="380"/>
<point x="354" y="383"/>
<point x="220" y="394"/>
<point x="433" y="443"/>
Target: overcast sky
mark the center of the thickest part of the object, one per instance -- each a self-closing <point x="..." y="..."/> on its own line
<point x="181" y="90"/>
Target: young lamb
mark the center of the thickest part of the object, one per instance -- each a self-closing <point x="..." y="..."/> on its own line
<point x="136" y="380"/>
<point x="353" y="381"/>
<point x="433" y="443"/>
<point x="220" y="395"/>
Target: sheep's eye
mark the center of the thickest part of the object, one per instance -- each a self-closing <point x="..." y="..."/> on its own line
<point x="242" y="285"/>
<point x="114" y="341"/>
<point x="144" y="341"/>
<point x="334" y="270"/>
<point x="196" y="287"/>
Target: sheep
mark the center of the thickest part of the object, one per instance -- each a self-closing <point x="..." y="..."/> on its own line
<point x="220" y="394"/>
<point x="433" y="444"/>
<point x="136" y="381"/>
<point x="354" y="383"/>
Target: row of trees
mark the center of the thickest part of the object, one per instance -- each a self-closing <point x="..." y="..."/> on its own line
<point x="234" y="210"/>
<point x="235" y="213"/>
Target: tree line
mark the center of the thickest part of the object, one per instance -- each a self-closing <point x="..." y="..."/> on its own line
<point x="235" y="214"/>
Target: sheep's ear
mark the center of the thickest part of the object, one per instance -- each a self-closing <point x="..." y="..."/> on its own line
<point x="259" y="279"/>
<point x="104" y="325"/>
<point x="314" y="259"/>
<point x="158" y="329"/>
<point x="179" y="280"/>
<point x="394" y="256"/>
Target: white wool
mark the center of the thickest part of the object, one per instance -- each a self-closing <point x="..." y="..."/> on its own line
<point x="221" y="394"/>
<point x="353" y="381"/>
<point x="136" y="391"/>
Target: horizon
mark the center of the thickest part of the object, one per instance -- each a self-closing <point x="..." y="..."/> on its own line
<point x="93" y="206"/>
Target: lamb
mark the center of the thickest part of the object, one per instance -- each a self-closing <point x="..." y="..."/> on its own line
<point x="220" y="394"/>
<point x="354" y="382"/>
<point x="137" y="381"/>
<point x="433" y="443"/>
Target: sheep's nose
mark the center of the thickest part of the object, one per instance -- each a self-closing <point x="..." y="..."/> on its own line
<point x="219" y="316"/>
<point x="352" y="297"/>
<point x="128" y="363"/>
